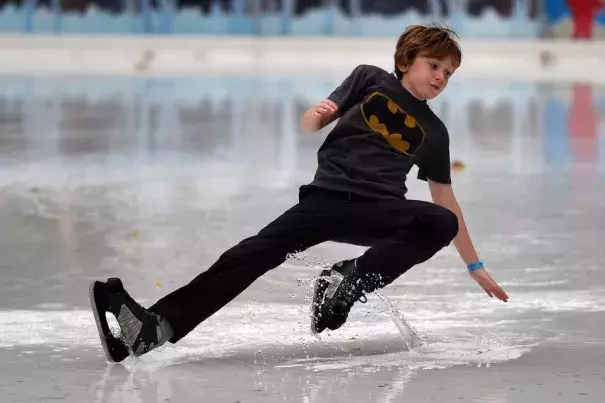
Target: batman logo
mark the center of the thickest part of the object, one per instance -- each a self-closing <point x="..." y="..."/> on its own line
<point x="398" y="128"/>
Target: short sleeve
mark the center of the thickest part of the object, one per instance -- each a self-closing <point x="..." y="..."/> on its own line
<point x="434" y="164"/>
<point x="351" y="90"/>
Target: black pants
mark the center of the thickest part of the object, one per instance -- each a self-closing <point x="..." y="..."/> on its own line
<point x="400" y="233"/>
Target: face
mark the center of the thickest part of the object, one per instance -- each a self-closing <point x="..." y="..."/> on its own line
<point x="427" y="77"/>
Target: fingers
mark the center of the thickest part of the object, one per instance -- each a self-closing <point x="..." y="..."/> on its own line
<point x="495" y="290"/>
<point x="489" y="285"/>
<point x="499" y="292"/>
<point x="329" y="104"/>
<point x="325" y="107"/>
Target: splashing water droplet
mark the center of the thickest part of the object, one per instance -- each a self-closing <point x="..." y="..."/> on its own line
<point x="410" y="335"/>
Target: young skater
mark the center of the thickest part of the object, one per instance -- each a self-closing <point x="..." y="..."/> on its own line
<point x="358" y="196"/>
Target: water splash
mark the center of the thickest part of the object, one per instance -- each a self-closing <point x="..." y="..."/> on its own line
<point x="410" y="335"/>
<point x="309" y="260"/>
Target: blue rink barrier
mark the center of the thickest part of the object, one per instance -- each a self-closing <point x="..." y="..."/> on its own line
<point x="238" y="17"/>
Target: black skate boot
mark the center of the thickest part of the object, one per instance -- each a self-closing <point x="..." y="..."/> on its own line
<point x="335" y="292"/>
<point x="141" y="330"/>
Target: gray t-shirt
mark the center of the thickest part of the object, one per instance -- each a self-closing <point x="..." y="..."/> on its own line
<point x="382" y="132"/>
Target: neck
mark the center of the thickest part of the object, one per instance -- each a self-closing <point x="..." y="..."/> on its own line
<point x="408" y="87"/>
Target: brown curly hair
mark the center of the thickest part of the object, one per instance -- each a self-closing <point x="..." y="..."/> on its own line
<point x="432" y="41"/>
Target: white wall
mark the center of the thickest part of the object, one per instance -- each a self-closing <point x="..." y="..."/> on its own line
<point x="177" y="55"/>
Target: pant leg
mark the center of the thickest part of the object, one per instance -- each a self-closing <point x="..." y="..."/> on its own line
<point x="400" y="233"/>
<point x="312" y="221"/>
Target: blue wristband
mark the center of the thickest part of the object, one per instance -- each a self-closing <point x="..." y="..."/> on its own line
<point x="475" y="266"/>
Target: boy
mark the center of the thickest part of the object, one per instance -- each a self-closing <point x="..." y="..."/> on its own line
<point x="357" y="196"/>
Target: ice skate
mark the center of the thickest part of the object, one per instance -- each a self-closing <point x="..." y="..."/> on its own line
<point x="141" y="330"/>
<point x="335" y="292"/>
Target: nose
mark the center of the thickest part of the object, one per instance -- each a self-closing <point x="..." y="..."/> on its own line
<point x="439" y="76"/>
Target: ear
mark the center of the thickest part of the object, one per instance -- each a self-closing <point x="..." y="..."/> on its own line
<point x="403" y="68"/>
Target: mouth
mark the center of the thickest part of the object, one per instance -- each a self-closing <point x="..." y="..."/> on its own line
<point x="436" y="87"/>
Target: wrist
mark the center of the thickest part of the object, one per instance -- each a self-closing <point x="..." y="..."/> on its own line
<point x="310" y="122"/>
<point x="475" y="266"/>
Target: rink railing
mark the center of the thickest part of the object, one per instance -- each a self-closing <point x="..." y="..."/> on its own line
<point x="248" y="17"/>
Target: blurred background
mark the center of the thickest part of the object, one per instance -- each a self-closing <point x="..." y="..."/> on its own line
<point x="470" y="18"/>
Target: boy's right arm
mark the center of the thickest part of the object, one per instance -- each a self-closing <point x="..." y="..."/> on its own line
<point x="318" y="117"/>
<point x="347" y="94"/>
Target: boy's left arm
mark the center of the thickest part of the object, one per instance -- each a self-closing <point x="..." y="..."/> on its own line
<point x="443" y="195"/>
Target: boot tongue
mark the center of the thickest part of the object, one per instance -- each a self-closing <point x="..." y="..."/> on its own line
<point x="369" y="282"/>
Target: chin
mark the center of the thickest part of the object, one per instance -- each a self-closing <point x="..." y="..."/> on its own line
<point x="432" y="96"/>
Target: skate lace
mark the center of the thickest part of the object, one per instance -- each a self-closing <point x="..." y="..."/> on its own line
<point x="140" y="314"/>
<point x="137" y="310"/>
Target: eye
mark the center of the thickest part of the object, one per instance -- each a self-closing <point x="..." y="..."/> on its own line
<point x="433" y="65"/>
<point x="448" y="73"/>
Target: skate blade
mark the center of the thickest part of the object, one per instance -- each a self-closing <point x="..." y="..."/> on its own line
<point x="314" y="305"/>
<point x="115" y="350"/>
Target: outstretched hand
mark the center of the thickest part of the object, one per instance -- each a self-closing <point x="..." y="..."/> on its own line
<point x="488" y="284"/>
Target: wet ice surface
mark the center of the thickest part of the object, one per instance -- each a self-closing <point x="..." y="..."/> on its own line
<point x="151" y="180"/>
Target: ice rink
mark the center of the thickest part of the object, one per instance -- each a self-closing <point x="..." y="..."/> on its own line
<point x="151" y="179"/>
